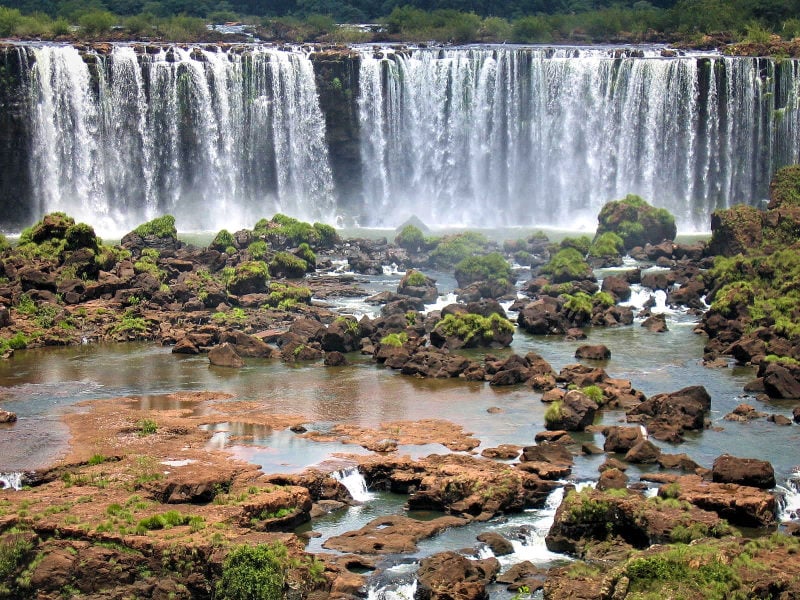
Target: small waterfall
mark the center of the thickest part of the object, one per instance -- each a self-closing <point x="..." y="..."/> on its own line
<point x="398" y="582"/>
<point x="11" y="480"/>
<point x="395" y="591"/>
<point x="355" y="483"/>
<point x="788" y="496"/>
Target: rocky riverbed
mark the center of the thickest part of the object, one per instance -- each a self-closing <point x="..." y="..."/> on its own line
<point x="144" y="504"/>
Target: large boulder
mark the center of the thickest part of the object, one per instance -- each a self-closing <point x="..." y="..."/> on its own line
<point x="224" y="355"/>
<point x="621" y="439"/>
<point x="735" y="230"/>
<point x="743" y="471"/>
<point x="450" y="575"/>
<point x="780" y="380"/>
<point x="667" y="415"/>
<point x="636" y="222"/>
<point x="418" y="285"/>
<point x="574" y="413"/>
<point x="738" y="504"/>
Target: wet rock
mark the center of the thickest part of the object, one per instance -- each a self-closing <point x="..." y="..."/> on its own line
<point x="391" y="534"/>
<point x="5" y="316"/>
<point x="523" y="573"/>
<point x="743" y="471"/>
<point x="678" y="461"/>
<point x="781" y="381"/>
<point x="499" y="545"/>
<point x="612" y="479"/>
<point x="335" y="359"/>
<point x="7" y="416"/>
<point x="593" y="352"/>
<point x="655" y="323"/>
<point x="418" y="285"/>
<point x="618" y="287"/>
<point x="185" y="346"/>
<point x="449" y="575"/>
<point x="779" y="420"/>
<point x="247" y="345"/>
<point x="621" y="439"/>
<point x="224" y="355"/>
<point x="502" y="452"/>
<point x="743" y="413"/>
<point x="643" y="452"/>
<point x="577" y="412"/>
<point x="668" y="415"/>
<point x="738" y="504"/>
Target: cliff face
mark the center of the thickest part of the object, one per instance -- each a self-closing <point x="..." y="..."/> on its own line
<point x="336" y="74"/>
<point x="15" y="184"/>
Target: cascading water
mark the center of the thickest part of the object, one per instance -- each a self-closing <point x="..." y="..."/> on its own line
<point x="480" y="137"/>
<point x="488" y="137"/>
<point x="788" y="496"/>
<point x="210" y="137"/>
<point x="355" y="483"/>
<point x="11" y="481"/>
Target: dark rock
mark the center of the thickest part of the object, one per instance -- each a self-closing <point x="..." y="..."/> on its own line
<point x="593" y="352"/>
<point x="225" y="356"/>
<point x="449" y="575"/>
<point x="247" y="345"/>
<point x="618" y="287"/>
<point x="779" y="420"/>
<point x="335" y="359"/>
<point x="185" y="346"/>
<point x="499" y="545"/>
<point x="781" y="381"/>
<point x="5" y="316"/>
<point x="612" y="479"/>
<point x="643" y="453"/>
<point x="655" y="323"/>
<point x="576" y="414"/>
<point x="743" y="471"/>
<point x="621" y="439"/>
<point x="7" y="416"/>
<point x="668" y="415"/>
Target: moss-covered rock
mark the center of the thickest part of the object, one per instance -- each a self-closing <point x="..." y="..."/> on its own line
<point x="735" y="230"/>
<point x="452" y="249"/>
<point x="249" y="278"/>
<point x="567" y="265"/>
<point x="636" y="222"/>
<point x="489" y="267"/>
<point x="469" y="330"/>
<point x="784" y="189"/>
<point x="286" y="264"/>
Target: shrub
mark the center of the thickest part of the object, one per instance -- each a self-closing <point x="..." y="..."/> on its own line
<point x="395" y="340"/>
<point x="580" y="305"/>
<point x="327" y="235"/>
<point x="223" y="240"/>
<point x="530" y="30"/>
<point x="607" y="244"/>
<point x="410" y="238"/>
<point x="258" y="250"/>
<point x="160" y="227"/>
<point x="473" y="329"/>
<point x="286" y="264"/>
<point x="146" y="427"/>
<point x="416" y="279"/>
<point x="305" y="252"/>
<point x="452" y="249"/>
<point x="254" y="573"/>
<point x="636" y="221"/>
<point x="595" y="393"/>
<point x="567" y="265"/>
<point x="603" y="299"/>
<point x="490" y="267"/>
<point x="552" y="415"/>
<point x="14" y="548"/>
<point x="4" y="243"/>
<point x="581" y="244"/>
<point x="280" y="294"/>
<point x="285" y="232"/>
<point x="96" y="21"/>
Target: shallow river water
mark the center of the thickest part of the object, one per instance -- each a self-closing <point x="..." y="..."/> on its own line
<point x="39" y="385"/>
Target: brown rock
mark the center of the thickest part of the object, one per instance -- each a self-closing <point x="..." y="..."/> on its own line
<point x="743" y="471"/>
<point x="335" y="359"/>
<point x="593" y="352"/>
<point x="499" y="545"/>
<point x="7" y="416"/>
<point x="779" y="420"/>
<point x="740" y="505"/>
<point x="655" y="323"/>
<point x="390" y="535"/>
<point x="185" y="346"/>
<point x="643" y="452"/>
<point x="502" y="452"/>
<point x="612" y="479"/>
<point x="225" y="356"/>
<point x="621" y="439"/>
<point x="450" y="575"/>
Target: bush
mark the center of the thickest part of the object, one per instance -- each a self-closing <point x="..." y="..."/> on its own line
<point x="305" y="253"/>
<point x="327" y="235"/>
<point x="567" y="265"/>
<point x="4" y="243"/>
<point x="636" y="222"/>
<point x="286" y="264"/>
<point x="253" y="573"/>
<point x="96" y="22"/>
<point x="285" y="296"/>
<point x="552" y="416"/>
<point x="607" y="244"/>
<point x="416" y="279"/>
<point x="160" y="227"/>
<point x="258" y="250"/>
<point x="784" y="189"/>
<point x="9" y="19"/>
<point x="410" y="238"/>
<point x="81" y="235"/>
<point x="452" y="249"/>
<point x="395" y="340"/>
<point x="473" y="329"/>
<point x="531" y="30"/>
<point x="223" y="240"/>
<point x="490" y="267"/>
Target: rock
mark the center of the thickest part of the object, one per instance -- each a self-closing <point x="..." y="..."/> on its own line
<point x="523" y="573"/>
<point x="499" y="545"/>
<point x="450" y="575"/>
<point x="653" y="225"/>
<point x="740" y="505"/>
<point x="612" y="479"/>
<point x="655" y="323"/>
<point x="502" y="452"/>
<point x="576" y="413"/>
<point x="744" y="412"/>
<point x="779" y="420"/>
<point x="247" y="345"/>
<point x="391" y="534"/>
<point x="418" y="285"/>
<point x="7" y="416"/>
<point x="224" y="355"/>
<point x="621" y="439"/>
<point x="541" y="317"/>
<point x="185" y="346"/>
<point x="743" y="471"/>
<point x="668" y="415"/>
<point x="643" y="452"/>
<point x="735" y="230"/>
<point x="593" y="352"/>
<point x="5" y="316"/>
<point x="618" y="287"/>
<point x="335" y="359"/>
<point x="781" y="381"/>
<point x="677" y="461"/>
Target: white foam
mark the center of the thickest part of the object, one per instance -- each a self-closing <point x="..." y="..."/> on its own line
<point x="355" y="483"/>
<point x="11" y="480"/>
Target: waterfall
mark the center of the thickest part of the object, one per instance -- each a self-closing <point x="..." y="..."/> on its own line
<point x="355" y="483"/>
<point x="11" y="481"/>
<point x="788" y="497"/>
<point x="492" y="137"/>
<point x="211" y="137"/>
<point x="478" y="136"/>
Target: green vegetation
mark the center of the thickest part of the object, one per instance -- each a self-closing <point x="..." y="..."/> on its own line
<point x="567" y="265"/>
<point x="552" y="416"/>
<point x="411" y="238"/>
<point x="282" y="232"/>
<point x="254" y="573"/>
<point x="607" y="244"/>
<point x="223" y="240"/>
<point x="285" y="296"/>
<point x="636" y="222"/>
<point x="148" y="263"/>
<point x="594" y="393"/>
<point x="286" y="264"/>
<point x="452" y="249"/>
<point x="130" y="324"/>
<point x="474" y="329"/>
<point x="167" y="520"/>
<point x="579" y="306"/>
<point x="160" y="227"/>
<point x="581" y="244"/>
<point x="258" y="250"/>
<point x="488" y="267"/>
<point x="784" y="189"/>
<point x="249" y="274"/>
<point x="416" y="279"/>
<point x="14" y="550"/>
<point x="146" y="427"/>
<point x="395" y="340"/>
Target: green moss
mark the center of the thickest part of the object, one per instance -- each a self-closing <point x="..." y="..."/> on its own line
<point x="636" y="221"/>
<point x="287" y="232"/>
<point x="411" y="238"/>
<point x="471" y="326"/>
<point x="286" y="264"/>
<point x="603" y="299"/>
<point x="395" y="340"/>
<point x="581" y="244"/>
<point x="567" y="265"/>
<point x="4" y="243"/>
<point x="223" y="240"/>
<point x="258" y="250"/>
<point x="579" y="305"/>
<point x="489" y="267"/>
<point x="327" y="235"/>
<point x="584" y="507"/>
<point x="452" y="249"/>
<point x="160" y="227"/>
<point x="249" y="270"/>
<point x="305" y="253"/>
<point x="14" y="550"/>
<point x="280" y="294"/>
<point x="784" y="189"/>
<point x="607" y="244"/>
<point x="594" y="393"/>
<point x="148" y="263"/>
